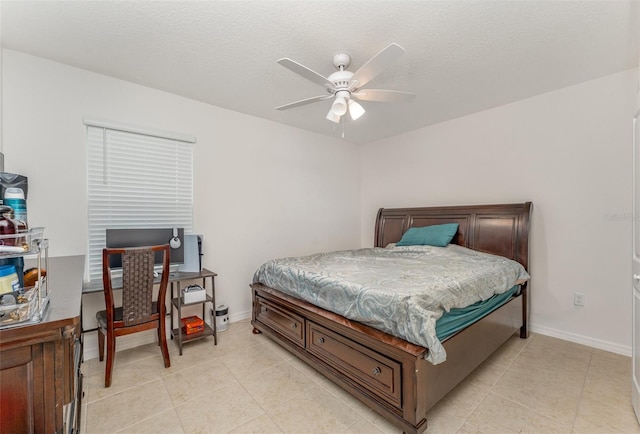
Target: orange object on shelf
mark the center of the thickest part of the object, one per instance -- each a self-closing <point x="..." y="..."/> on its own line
<point x="192" y="324"/>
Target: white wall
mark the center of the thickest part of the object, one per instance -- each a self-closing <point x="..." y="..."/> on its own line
<point x="567" y="151"/>
<point x="262" y="190"/>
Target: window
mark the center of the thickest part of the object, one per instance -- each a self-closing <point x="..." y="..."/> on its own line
<point x="136" y="178"/>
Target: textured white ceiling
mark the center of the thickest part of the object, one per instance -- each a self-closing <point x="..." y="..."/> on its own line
<point x="462" y="56"/>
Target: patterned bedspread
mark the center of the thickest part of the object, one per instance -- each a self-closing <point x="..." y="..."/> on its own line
<point x="399" y="290"/>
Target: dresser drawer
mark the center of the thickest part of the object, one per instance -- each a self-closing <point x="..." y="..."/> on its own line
<point x="280" y="320"/>
<point x="371" y="370"/>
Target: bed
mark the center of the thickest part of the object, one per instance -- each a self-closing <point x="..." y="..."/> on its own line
<point x="385" y="372"/>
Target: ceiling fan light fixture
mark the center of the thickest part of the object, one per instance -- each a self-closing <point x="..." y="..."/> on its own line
<point x="332" y="116"/>
<point x="355" y="110"/>
<point x="339" y="106"/>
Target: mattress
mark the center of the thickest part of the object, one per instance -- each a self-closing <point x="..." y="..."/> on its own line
<point x="458" y="318"/>
<point x="400" y="290"/>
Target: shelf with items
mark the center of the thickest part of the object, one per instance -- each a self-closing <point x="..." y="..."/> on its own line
<point x="207" y="331"/>
<point x="22" y="303"/>
<point x="21" y="244"/>
<point x="178" y="303"/>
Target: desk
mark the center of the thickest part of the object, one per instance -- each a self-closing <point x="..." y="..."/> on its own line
<point x="175" y="279"/>
<point x="174" y="276"/>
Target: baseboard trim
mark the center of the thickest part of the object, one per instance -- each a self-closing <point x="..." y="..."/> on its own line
<point x="624" y="350"/>
<point x="90" y="342"/>
<point x="90" y="339"/>
<point x="240" y="316"/>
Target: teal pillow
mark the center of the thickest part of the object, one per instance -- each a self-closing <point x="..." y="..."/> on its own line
<point x="436" y="235"/>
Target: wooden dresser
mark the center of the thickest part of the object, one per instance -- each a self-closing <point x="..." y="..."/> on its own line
<point x="40" y="379"/>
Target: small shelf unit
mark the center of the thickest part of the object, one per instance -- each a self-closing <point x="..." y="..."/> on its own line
<point x="177" y="305"/>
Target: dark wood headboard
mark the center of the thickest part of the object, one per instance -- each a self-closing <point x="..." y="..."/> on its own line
<point x="498" y="229"/>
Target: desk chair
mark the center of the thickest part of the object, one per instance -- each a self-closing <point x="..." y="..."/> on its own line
<point x="138" y="312"/>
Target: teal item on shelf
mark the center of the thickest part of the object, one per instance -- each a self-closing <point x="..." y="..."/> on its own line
<point x="435" y="235"/>
<point x="18" y="264"/>
<point x="14" y="197"/>
<point x="8" y="279"/>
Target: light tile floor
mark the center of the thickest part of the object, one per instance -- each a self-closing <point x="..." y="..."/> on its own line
<point x="249" y="384"/>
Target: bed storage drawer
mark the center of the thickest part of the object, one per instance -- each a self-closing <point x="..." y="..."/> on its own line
<point x="371" y="370"/>
<point x="280" y="320"/>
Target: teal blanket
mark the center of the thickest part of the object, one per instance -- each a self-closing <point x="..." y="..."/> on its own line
<point x="400" y="290"/>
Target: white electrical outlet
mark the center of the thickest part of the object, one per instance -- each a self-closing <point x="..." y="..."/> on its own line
<point x="578" y="299"/>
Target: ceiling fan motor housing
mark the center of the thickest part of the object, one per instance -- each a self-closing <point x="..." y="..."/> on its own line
<point x="341" y="79"/>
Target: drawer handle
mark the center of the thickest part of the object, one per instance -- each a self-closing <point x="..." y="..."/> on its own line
<point x="376" y="371"/>
<point x="321" y="341"/>
<point x="294" y="325"/>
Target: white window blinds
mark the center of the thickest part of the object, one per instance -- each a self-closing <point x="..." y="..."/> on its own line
<point x="136" y="178"/>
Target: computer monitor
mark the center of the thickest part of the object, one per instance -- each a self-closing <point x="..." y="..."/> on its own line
<point x="144" y="237"/>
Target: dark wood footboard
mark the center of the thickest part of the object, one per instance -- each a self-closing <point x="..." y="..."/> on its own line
<point x="388" y="374"/>
<point x="382" y="371"/>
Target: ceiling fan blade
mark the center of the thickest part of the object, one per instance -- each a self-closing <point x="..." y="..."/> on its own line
<point x="304" y="102"/>
<point x="384" y="95"/>
<point x="377" y="63"/>
<point x="307" y="73"/>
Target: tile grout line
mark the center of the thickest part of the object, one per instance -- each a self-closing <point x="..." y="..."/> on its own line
<point x="584" y="385"/>
<point x="123" y="390"/>
<point x="528" y="341"/>
<point x="536" y="411"/>
<point x="173" y="405"/>
<point x="266" y="412"/>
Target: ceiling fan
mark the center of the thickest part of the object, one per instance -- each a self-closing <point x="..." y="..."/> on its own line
<point x="345" y="85"/>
